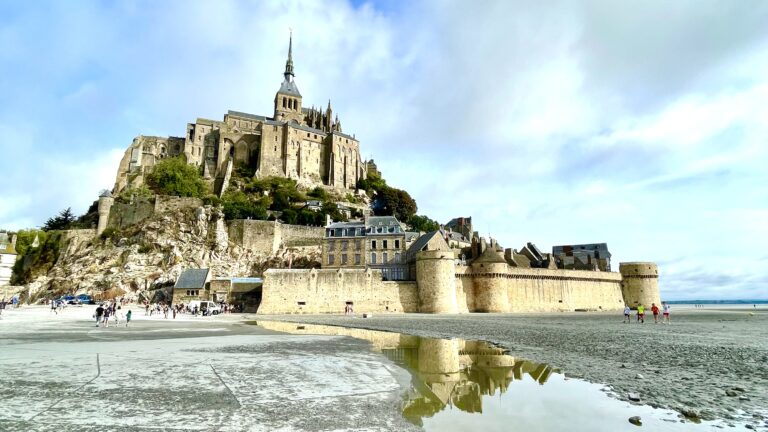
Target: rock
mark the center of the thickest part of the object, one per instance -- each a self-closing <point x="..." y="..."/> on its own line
<point x="635" y="420"/>
<point x="690" y="413"/>
<point x="749" y="426"/>
<point x="731" y="393"/>
<point x="743" y="398"/>
<point x="639" y="376"/>
<point x="623" y="366"/>
<point x="634" y="397"/>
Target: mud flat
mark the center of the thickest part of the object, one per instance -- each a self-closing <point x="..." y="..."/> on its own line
<point x="709" y="364"/>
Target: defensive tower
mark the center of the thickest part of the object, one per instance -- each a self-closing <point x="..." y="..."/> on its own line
<point x="105" y="205"/>
<point x="640" y="283"/>
<point x="490" y="272"/>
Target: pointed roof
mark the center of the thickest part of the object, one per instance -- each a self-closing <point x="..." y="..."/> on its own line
<point x="289" y="85"/>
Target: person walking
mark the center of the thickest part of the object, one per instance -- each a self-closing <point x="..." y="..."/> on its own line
<point x="53" y="307"/>
<point x="627" y="311"/>
<point x="665" y="311"/>
<point x="106" y="316"/>
<point x="641" y="314"/>
<point x="655" y="311"/>
<point x="128" y="317"/>
<point x="99" y="313"/>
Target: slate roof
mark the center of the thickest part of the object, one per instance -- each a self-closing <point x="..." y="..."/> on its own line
<point x="382" y="221"/>
<point x="602" y="248"/>
<point x="192" y="279"/>
<point x="246" y="115"/>
<point x="355" y="224"/>
<point x="289" y="87"/>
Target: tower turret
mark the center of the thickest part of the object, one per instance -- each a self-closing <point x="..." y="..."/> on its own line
<point x="105" y="205"/>
<point x="489" y="272"/>
<point x="436" y="281"/>
<point x="639" y="283"/>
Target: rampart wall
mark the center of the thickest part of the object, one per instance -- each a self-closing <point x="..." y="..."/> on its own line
<point x="269" y="236"/>
<point x="540" y="290"/>
<point x="329" y="290"/>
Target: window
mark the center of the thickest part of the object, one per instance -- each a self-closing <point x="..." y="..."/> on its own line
<point x="358" y="244"/>
<point x="330" y="259"/>
<point x="373" y="244"/>
<point x="384" y="259"/>
<point x="385" y="244"/>
<point x="343" y="259"/>
<point x="357" y="259"/>
<point x="397" y="244"/>
<point x="397" y="257"/>
<point x="373" y="258"/>
<point x="331" y="245"/>
<point x="344" y="245"/>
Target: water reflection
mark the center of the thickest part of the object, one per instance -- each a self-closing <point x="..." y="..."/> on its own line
<point x="445" y="373"/>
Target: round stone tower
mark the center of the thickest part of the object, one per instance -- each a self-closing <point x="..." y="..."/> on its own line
<point x="436" y="281"/>
<point x="639" y="283"/>
<point x="489" y="272"/>
<point x="105" y="204"/>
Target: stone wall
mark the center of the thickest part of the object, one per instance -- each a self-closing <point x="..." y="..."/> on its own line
<point x="122" y="215"/>
<point x="544" y="290"/>
<point x="164" y="203"/>
<point x="328" y="291"/>
<point x="269" y="236"/>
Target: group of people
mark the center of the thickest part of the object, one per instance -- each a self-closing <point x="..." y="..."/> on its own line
<point x="654" y="310"/>
<point x="111" y="310"/>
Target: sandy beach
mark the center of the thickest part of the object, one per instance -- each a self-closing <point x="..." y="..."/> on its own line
<point x="710" y="363"/>
<point x="224" y="373"/>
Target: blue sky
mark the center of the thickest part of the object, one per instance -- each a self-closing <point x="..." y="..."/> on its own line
<point x="639" y="124"/>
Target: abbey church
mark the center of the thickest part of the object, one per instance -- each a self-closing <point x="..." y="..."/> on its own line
<point x="305" y="144"/>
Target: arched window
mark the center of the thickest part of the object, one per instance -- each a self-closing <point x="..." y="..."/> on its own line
<point x="285" y="103"/>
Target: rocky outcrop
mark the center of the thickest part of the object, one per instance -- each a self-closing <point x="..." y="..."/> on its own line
<point x="153" y="253"/>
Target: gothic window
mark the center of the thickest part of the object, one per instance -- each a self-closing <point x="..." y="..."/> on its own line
<point x="285" y="104"/>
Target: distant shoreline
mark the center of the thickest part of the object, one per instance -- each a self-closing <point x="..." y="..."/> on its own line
<point x="718" y="302"/>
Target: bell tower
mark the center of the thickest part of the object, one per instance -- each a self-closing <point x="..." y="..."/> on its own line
<point x="288" y="98"/>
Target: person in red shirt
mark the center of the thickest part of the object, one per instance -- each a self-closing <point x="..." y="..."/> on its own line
<point x="655" y="310"/>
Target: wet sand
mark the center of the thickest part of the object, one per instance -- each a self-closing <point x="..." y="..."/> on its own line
<point x="710" y="363"/>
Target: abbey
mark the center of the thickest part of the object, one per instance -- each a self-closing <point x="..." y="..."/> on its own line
<point x="305" y="144"/>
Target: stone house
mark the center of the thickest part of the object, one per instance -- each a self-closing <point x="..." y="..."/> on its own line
<point x="192" y="284"/>
<point x="378" y="242"/>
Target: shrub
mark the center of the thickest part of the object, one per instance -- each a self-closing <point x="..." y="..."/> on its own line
<point x="173" y="176"/>
<point x="237" y="205"/>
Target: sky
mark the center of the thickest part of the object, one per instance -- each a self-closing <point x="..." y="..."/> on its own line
<point x="639" y="124"/>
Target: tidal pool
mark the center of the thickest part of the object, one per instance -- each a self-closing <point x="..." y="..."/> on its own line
<point x="459" y="385"/>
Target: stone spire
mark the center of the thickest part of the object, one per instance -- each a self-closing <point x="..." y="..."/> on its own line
<point x="289" y="63"/>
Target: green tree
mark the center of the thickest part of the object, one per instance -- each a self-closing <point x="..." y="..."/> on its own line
<point x="319" y="193"/>
<point x="61" y="221"/>
<point x="173" y="176"/>
<point x="423" y="223"/>
<point x="237" y="205"/>
<point x="394" y="202"/>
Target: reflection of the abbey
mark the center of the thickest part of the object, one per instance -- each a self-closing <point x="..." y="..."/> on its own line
<point x="445" y="372"/>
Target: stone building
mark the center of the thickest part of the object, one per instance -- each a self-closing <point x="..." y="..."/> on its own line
<point x="593" y="256"/>
<point x="303" y="143"/>
<point x="377" y="243"/>
<point x="8" y="257"/>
